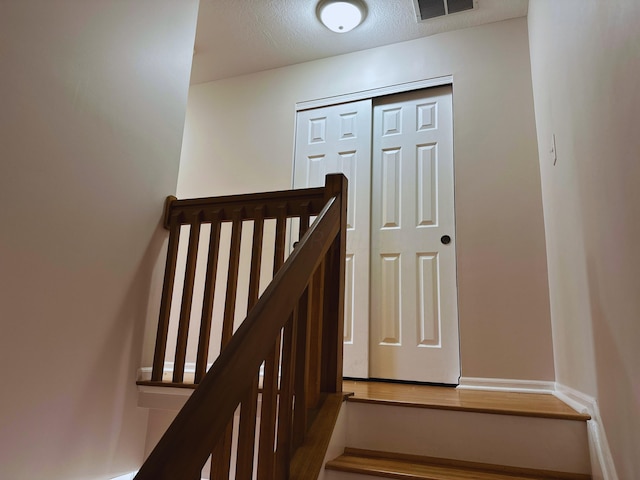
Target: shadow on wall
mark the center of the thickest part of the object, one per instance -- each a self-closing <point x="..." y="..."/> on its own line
<point x="113" y="389"/>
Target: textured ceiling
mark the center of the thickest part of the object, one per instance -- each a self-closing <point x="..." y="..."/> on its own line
<point x="235" y="37"/>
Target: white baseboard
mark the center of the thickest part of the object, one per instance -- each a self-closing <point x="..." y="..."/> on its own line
<point x="602" y="465"/>
<point x="144" y="373"/>
<point x="506" y="385"/>
<point x="129" y="476"/>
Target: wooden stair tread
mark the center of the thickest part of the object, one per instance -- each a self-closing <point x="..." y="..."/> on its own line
<point x="448" y="398"/>
<point x="400" y="466"/>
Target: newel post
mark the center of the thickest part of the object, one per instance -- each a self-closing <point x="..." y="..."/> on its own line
<point x="333" y="311"/>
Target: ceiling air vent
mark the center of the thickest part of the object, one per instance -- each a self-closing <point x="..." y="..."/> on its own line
<point x="426" y="9"/>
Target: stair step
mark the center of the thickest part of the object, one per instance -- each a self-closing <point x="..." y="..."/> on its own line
<point x="402" y="466"/>
<point x="446" y="398"/>
<point x="553" y="444"/>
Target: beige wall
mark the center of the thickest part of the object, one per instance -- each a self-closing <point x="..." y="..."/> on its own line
<point x="239" y="138"/>
<point x="585" y="57"/>
<point x="92" y="103"/>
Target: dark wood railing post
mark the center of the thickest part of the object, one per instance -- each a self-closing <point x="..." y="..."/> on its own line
<point x="187" y="298"/>
<point x="249" y="406"/>
<point x="207" y="303"/>
<point x="172" y="223"/>
<point x="333" y="311"/>
<point x="221" y="453"/>
<point x="315" y="335"/>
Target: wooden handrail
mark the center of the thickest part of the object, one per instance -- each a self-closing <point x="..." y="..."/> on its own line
<point x="299" y="201"/>
<point x="282" y="314"/>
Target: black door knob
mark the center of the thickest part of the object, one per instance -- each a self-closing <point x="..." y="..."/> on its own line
<point x="445" y="239"/>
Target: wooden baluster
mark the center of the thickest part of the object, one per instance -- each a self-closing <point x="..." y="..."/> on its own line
<point x="304" y="220"/>
<point x="288" y="381"/>
<point x="301" y="365"/>
<point x="209" y="292"/>
<point x="221" y="455"/>
<point x="268" y="413"/>
<point x="285" y="416"/>
<point x="333" y="318"/>
<point x="313" y="340"/>
<point x="167" y="295"/>
<point x="256" y="257"/>
<point x="232" y="278"/>
<point x="270" y="379"/>
<point x="187" y="296"/>
<point x="315" y="337"/>
<point x="249" y="408"/>
<point x="247" y="433"/>
<point x="301" y="371"/>
<point x="281" y="238"/>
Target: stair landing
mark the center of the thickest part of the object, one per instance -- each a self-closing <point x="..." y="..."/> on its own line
<point x="448" y="398"/>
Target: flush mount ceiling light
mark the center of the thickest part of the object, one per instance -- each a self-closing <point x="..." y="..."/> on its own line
<point x="341" y="17"/>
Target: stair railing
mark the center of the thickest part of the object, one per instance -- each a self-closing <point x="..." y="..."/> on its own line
<point x="294" y="331"/>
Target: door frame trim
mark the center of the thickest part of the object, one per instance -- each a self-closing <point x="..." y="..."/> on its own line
<point x="375" y="92"/>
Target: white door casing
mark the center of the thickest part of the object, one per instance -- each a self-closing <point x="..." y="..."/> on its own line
<point x="414" y="310"/>
<point x="337" y="139"/>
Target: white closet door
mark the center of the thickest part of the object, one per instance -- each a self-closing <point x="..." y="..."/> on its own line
<point x="414" y="312"/>
<point x="338" y="139"/>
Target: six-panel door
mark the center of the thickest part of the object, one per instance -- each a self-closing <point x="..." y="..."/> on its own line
<point x="338" y="139"/>
<point x="414" y="313"/>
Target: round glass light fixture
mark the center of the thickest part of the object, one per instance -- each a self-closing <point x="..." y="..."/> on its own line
<point x="341" y="17"/>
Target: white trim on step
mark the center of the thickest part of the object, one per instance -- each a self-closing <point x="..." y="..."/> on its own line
<point x="506" y="385"/>
<point x="602" y="465"/>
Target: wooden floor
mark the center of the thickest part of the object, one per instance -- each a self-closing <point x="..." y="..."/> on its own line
<point x="449" y="398"/>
